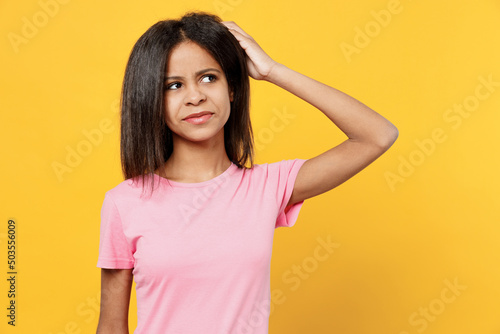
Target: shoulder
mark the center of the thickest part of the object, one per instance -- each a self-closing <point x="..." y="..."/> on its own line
<point x="277" y="169"/>
<point x="284" y="166"/>
<point x="128" y="188"/>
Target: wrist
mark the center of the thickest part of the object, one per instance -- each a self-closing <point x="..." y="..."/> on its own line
<point x="274" y="72"/>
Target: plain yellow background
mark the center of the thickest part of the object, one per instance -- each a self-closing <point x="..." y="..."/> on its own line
<point x="423" y="217"/>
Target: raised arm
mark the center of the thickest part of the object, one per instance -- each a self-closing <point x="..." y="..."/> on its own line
<point x="369" y="134"/>
<point x="116" y="285"/>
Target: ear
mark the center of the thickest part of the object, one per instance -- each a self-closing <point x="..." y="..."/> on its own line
<point x="231" y="95"/>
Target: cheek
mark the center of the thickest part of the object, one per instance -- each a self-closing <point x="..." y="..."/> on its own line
<point x="170" y="109"/>
<point x="224" y="99"/>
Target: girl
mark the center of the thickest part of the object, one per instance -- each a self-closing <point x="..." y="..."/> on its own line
<point x="199" y="246"/>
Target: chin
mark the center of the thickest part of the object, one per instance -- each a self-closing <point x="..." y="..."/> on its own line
<point x="201" y="135"/>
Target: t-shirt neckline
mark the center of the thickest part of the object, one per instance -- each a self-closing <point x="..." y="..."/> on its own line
<point x="219" y="177"/>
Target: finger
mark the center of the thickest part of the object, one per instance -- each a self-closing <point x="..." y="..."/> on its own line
<point x="243" y="40"/>
<point x="239" y="37"/>
<point x="232" y="25"/>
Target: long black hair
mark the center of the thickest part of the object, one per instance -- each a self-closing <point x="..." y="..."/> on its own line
<point x="146" y="141"/>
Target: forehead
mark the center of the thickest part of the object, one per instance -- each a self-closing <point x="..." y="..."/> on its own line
<point x="189" y="57"/>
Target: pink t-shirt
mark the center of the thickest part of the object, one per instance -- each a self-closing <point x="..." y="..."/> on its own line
<point x="200" y="252"/>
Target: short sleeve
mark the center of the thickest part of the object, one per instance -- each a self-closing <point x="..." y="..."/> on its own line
<point x="114" y="251"/>
<point x="288" y="170"/>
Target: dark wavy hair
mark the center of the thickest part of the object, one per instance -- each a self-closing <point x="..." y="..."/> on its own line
<point x="146" y="141"/>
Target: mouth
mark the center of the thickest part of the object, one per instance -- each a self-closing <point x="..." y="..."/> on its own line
<point x="199" y="118"/>
<point x="198" y="115"/>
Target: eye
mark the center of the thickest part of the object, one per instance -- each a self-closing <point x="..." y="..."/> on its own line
<point x="213" y="77"/>
<point x="173" y="85"/>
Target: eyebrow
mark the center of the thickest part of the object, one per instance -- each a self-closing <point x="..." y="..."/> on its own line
<point x="196" y="74"/>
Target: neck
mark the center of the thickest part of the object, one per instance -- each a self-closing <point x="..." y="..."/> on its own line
<point x="193" y="162"/>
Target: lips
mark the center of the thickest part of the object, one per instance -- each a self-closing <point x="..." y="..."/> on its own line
<point x="198" y="114"/>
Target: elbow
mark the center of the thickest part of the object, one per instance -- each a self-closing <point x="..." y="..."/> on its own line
<point x="388" y="137"/>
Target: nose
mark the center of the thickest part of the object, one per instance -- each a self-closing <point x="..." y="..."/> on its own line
<point x="194" y="95"/>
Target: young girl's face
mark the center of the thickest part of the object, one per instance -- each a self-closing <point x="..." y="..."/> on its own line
<point x="195" y="83"/>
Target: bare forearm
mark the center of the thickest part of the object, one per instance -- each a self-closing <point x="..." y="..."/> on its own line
<point x="352" y="117"/>
<point x="115" y="299"/>
<point x="111" y="329"/>
<point x="112" y="323"/>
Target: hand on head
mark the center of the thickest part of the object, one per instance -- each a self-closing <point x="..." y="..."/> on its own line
<point x="259" y="63"/>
